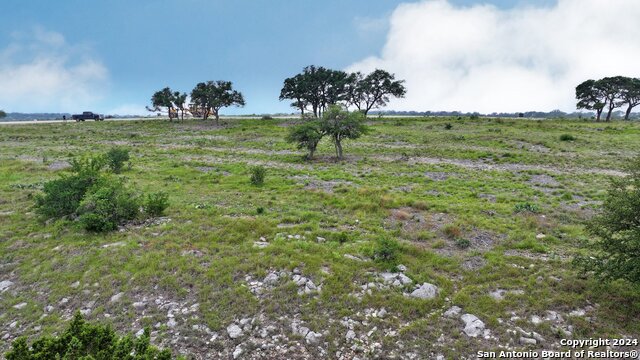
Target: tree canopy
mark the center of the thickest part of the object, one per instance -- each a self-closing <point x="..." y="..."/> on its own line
<point x="340" y="124"/>
<point x="608" y="93"/>
<point x="318" y="88"/>
<point x="374" y="90"/>
<point x="209" y="97"/>
<point x="163" y="99"/>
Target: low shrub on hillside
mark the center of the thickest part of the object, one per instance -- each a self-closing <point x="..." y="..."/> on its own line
<point x="567" y="137"/>
<point x="613" y="253"/>
<point x="82" y="340"/>
<point x="116" y="157"/>
<point x="526" y="208"/>
<point x="386" y="250"/>
<point x="258" y="174"/>
<point x="62" y="196"/>
<point x="99" y="201"/>
<point x="106" y="205"/>
<point x="156" y="203"/>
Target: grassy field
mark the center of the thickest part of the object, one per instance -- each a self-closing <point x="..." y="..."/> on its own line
<point x="230" y="252"/>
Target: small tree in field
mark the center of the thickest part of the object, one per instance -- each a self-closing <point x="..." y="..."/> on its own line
<point x="162" y="99"/>
<point x="2" y="114"/>
<point x="616" y="250"/>
<point x="179" y="100"/>
<point x="306" y="136"/>
<point x="211" y="96"/>
<point x="341" y="124"/>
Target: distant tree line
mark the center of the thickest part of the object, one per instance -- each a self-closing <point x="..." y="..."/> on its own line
<point x="608" y="94"/>
<point x="207" y="98"/>
<point x="316" y="88"/>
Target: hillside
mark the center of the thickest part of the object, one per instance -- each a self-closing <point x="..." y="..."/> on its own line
<point x="488" y="215"/>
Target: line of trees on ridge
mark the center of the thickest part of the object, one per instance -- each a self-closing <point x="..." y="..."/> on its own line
<point x="316" y="88"/>
<point x="609" y="93"/>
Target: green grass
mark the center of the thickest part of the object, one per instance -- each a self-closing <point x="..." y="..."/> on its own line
<point x="379" y="190"/>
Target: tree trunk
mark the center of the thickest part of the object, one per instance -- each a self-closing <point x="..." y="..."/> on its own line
<point x="626" y="114"/>
<point x="217" y="117"/>
<point x="598" y="114"/>
<point x="609" y="114"/>
<point x="338" y="147"/>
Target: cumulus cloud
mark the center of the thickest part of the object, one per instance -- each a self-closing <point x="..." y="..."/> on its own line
<point x="41" y="72"/>
<point x="483" y="58"/>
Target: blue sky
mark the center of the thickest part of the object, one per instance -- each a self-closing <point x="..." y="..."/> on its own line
<point x="112" y="55"/>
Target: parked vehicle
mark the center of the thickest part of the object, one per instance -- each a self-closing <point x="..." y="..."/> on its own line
<point x="87" y="115"/>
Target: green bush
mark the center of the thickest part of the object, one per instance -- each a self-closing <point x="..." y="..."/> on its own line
<point x="115" y="158"/>
<point x="386" y="250"/>
<point x="62" y="196"/>
<point x="106" y="205"/>
<point x="463" y="243"/>
<point x="448" y="126"/>
<point x="614" y="253"/>
<point x="526" y="208"/>
<point x="307" y="136"/>
<point x="258" y="174"/>
<point x="567" y="137"/>
<point x="100" y="201"/>
<point x="84" y="341"/>
<point x="156" y="203"/>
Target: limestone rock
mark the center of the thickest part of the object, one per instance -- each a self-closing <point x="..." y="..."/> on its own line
<point x="472" y="325"/>
<point x="425" y="291"/>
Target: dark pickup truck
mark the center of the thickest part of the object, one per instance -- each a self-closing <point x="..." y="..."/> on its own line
<point x="87" y="115"/>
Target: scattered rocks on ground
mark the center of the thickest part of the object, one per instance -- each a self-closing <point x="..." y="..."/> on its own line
<point x="425" y="291"/>
<point x="116" y="297"/>
<point x="5" y="284"/>
<point x="453" y="312"/>
<point x="473" y="326"/>
<point x="234" y="331"/>
<point x="20" y="306"/>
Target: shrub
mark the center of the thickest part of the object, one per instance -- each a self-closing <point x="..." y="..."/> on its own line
<point x="258" y="174"/>
<point x="452" y="231"/>
<point x="448" y="126"/>
<point x="306" y="136"/>
<point x="82" y="340"/>
<point x="106" y="205"/>
<point x="156" y="203"/>
<point x="88" y="166"/>
<point x="526" y="208"/>
<point x="342" y="237"/>
<point x="115" y="159"/>
<point x="62" y="196"/>
<point x="614" y="251"/>
<point x="386" y="250"/>
<point x="567" y="137"/>
<point x="267" y="117"/>
<point x="463" y="243"/>
<point x="260" y="210"/>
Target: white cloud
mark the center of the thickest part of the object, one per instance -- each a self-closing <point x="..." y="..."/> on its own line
<point x="41" y="72"/>
<point x="482" y="58"/>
